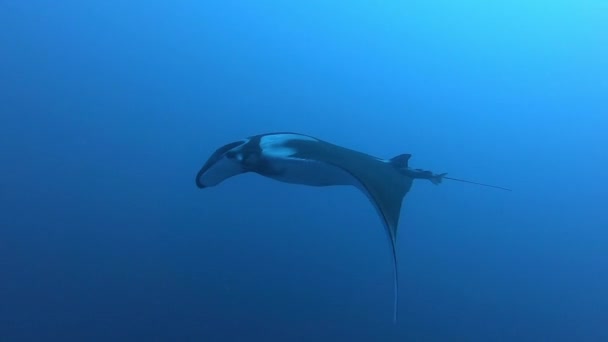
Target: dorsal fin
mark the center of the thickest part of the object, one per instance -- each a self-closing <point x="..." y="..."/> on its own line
<point x="401" y="161"/>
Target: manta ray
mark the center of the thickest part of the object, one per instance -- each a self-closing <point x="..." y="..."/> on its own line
<point x="302" y="159"/>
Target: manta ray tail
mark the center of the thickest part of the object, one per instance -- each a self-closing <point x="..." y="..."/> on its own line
<point x="476" y="183"/>
<point x="402" y="162"/>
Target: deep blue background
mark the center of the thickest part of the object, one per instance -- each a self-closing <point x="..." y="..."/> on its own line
<point x="109" y="108"/>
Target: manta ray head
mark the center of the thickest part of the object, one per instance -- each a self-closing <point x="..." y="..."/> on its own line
<point x="227" y="161"/>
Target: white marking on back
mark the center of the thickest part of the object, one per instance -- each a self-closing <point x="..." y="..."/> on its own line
<point x="296" y="170"/>
<point x="278" y="152"/>
<point x="274" y="145"/>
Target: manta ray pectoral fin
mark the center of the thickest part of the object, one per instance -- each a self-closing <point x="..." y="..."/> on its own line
<point x="386" y="189"/>
<point x="383" y="181"/>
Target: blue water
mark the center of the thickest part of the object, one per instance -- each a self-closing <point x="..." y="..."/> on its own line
<point x="109" y="108"/>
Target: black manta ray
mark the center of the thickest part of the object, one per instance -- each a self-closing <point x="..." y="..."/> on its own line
<point x="302" y="159"/>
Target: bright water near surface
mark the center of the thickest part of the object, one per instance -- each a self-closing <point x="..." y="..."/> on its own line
<point x="108" y="109"/>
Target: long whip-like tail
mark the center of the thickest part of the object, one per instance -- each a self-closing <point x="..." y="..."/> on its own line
<point x="482" y="184"/>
